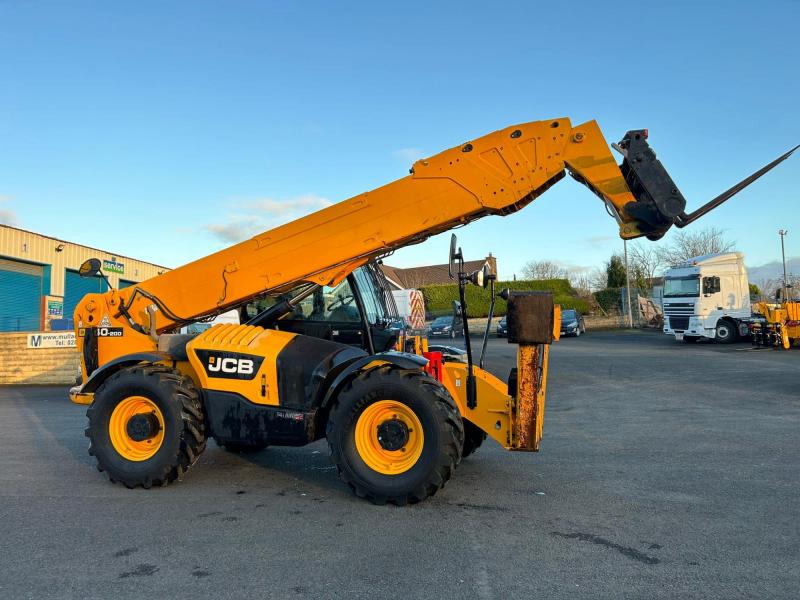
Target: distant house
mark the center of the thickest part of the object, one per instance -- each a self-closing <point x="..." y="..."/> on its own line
<point x="416" y="277"/>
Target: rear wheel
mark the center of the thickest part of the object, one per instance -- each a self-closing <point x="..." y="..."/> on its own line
<point x="146" y="426"/>
<point x="395" y="435"/>
<point x="474" y="436"/>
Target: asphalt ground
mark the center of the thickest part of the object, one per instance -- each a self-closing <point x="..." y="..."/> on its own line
<point x="667" y="471"/>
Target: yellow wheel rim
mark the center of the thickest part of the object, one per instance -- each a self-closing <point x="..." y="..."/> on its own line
<point x="406" y="426"/>
<point x="120" y="426"/>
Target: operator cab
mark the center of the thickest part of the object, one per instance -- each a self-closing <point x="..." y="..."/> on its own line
<point x="358" y="312"/>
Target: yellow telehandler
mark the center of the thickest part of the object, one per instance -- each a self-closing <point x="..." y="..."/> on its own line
<point x="315" y="359"/>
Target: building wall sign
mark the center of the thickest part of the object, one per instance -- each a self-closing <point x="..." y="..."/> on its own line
<point x="112" y="266"/>
<point x="55" y="308"/>
<point x="47" y="339"/>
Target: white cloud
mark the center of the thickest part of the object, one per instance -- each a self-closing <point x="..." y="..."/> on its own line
<point x="600" y="240"/>
<point x="409" y="154"/>
<point x="247" y="219"/>
<point x="7" y="217"/>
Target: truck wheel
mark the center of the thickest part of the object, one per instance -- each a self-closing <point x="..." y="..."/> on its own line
<point x="240" y="447"/>
<point x="473" y="438"/>
<point x="726" y="332"/>
<point x="146" y="426"/>
<point x="395" y="435"/>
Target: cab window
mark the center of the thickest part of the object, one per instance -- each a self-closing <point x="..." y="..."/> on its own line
<point x="372" y="296"/>
<point x="337" y="304"/>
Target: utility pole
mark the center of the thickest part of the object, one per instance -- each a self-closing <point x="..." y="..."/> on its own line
<point x="782" y="233"/>
<point x="628" y="284"/>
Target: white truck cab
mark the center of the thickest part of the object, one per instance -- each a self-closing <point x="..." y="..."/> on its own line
<point x="707" y="297"/>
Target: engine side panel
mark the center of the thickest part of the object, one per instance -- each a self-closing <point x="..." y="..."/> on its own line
<point x="240" y="359"/>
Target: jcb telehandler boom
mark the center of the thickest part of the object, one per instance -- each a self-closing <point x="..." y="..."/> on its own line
<point x="316" y="360"/>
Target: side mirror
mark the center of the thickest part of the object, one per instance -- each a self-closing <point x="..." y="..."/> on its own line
<point x="455" y="254"/>
<point x="505" y="293"/>
<point x="90" y="268"/>
<point x="711" y="285"/>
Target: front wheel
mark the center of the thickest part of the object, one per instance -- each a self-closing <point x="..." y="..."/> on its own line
<point x="725" y="333"/>
<point x="474" y="436"/>
<point x="395" y="435"/>
<point x="146" y="426"/>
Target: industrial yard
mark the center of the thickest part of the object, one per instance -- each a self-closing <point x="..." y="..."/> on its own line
<point x="666" y="471"/>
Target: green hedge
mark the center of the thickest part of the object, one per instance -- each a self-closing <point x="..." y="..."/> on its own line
<point x="439" y="298"/>
<point x="608" y="299"/>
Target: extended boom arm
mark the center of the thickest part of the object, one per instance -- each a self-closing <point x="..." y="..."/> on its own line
<point x="497" y="174"/>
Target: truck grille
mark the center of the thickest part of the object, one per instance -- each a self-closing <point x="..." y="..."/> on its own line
<point x="679" y="322"/>
<point x="678" y="314"/>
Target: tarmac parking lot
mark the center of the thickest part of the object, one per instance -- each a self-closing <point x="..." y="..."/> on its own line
<point x="667" y="470"/>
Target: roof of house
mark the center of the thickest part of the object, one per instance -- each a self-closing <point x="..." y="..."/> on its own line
<point x="415" y="277"/>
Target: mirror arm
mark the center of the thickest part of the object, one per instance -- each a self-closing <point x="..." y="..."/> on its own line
<point x="472" y="396"/>
<point x="489" y="321"/>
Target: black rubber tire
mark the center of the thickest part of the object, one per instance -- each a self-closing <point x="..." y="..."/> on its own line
<point x="474" y="436"/>
<point x="729" y="329"/>
<point x="240" y="448"/>
<point x="442" y="426"/>
<point x="184" y="425"/>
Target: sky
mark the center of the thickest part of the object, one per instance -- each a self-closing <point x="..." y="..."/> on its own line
<point x="167" y="130"/>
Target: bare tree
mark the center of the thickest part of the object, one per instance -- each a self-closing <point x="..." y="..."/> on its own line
<point x="688" y="244"/>
<point x="645" y="259"/>
<point x="543" y="269"/>
<point x="598" y="279"/>
<point x="581" y="281"/>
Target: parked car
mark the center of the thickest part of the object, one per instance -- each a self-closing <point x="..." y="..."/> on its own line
<point x="399" y="325"/>
<point x="447" y="326"/>
<point x="502" y="328"/>
<point x="572" y="323"/>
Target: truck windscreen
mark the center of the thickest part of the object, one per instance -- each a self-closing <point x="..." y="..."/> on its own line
<point x="682" y="286"/>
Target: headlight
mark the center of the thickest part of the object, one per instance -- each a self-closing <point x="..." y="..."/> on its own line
<point x="447" y="328"/>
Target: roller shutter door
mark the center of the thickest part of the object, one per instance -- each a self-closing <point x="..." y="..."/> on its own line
<point x="76" y="287"/>
<point x="20" y="296"/>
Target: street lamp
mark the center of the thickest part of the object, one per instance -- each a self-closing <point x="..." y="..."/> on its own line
<point x="782" y="233"/>
<point x="628" y="284"/>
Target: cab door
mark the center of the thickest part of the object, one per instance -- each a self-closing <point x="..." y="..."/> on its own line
<point x="330" y="313"/>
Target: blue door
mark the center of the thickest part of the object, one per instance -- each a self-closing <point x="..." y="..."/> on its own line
<point x="20" y="296"/>
<point x="76" y="287"/>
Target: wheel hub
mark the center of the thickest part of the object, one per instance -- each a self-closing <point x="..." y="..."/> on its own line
<point x="142" y="427"/>
<point x="392" y="434"/>
<point x="136" y="428"/>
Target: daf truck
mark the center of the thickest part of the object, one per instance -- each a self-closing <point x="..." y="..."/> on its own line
<point x="708" y="297"/>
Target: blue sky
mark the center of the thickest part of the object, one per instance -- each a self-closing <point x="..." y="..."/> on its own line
<point x="159" y="130"/>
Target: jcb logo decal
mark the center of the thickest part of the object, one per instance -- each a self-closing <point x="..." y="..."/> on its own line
<point x="242" y="366"/>
<point x="230" y="365"/>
